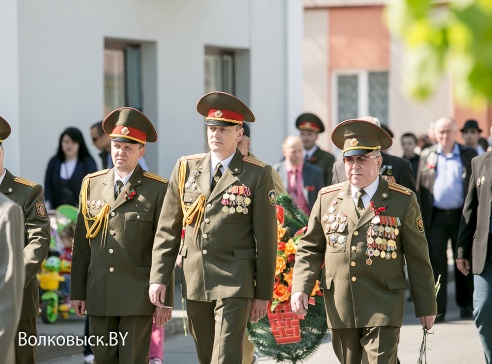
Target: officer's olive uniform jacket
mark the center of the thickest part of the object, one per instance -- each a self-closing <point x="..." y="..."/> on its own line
<point x="233" y="254"/>
<point x="474" y="231"/>
<point x="114" y="277"/>
<point x="29" y="196"/>
<point x="325" y="161"/>
<point x="356" y="294"/>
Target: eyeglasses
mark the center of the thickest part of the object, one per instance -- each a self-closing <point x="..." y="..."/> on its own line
<point x="360" y="159"/>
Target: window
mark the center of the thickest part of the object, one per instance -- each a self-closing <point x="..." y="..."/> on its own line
<point x="360" y="93"/>
<point x="122" y="76"/>
<point x="219" y="70"/>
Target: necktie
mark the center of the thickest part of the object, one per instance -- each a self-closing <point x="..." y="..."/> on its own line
<point x="360" y="203"/>
<point x="216" y="176"/>
<point x="293" y="182"/>
<point x="119" y="188"/>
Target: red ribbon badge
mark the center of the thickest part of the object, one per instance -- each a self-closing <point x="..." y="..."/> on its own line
<point x="378" y="210"/>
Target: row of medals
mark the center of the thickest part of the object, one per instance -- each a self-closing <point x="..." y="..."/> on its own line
<point x="236" y="199"/>
<point x="335" y="224"/>
<point x="381" y="238"/>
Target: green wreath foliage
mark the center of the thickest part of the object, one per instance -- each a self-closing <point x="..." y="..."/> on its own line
<point x="313" y="327"/>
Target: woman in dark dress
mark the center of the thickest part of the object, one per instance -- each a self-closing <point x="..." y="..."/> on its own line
<point x="67" y="169"/>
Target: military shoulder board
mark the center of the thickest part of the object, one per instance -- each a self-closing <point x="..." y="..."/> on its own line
<point x="399" y="188"/>
<point x="98" y="173"/>
<point x="24" y="181"/>
<point x="331" y="188"/>
<point x="192" y="156"/>
<point x="254" y="161"/>
<point x="155" y="176"/>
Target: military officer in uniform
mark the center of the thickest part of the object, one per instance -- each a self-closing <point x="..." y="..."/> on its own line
<point x="226" y="202"/>
<point x="393" y="168"/>
<point x="112" y="250"/>
<point x="364" y="230"/>
<point x="310" y="126"/>
<point x="29" y="196"/>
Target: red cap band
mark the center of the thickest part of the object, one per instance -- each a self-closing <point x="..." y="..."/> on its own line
<point x="226" y="115"/>
<point x="307" y="125"/>
<point x="122" y="131"/>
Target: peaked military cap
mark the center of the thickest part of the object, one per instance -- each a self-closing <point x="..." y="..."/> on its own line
<point x="129" y="125"/>
<point x="356" y="136"/>
<point x="223" y="109"/>
<point x="247" y="130"/>
<point x="311" y="122"/>
<point x="4" y="130"/>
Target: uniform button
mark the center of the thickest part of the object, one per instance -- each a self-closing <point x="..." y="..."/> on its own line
<point x="138" y="216"/>
<point x="354" y="248"/>
<point x="209" y="205"/>
<point x="354" y="279"/>
<point x="111" y="251"/>
<point x="207" y="221"/>
<point x="112" y="232"/>
<point x="112" y="214"/>
<point x="111" y="269"/>
<point x="356" y="233"/>
<point x="204" y="251"/>
<point x="205" y="236"/>
<point x="352" y="264"/>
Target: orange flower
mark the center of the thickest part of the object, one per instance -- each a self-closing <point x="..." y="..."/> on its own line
<point x="280" y="231"/>
<point x="288" y="277"/>
<point x="280" y="266"/>
<point x="315" y="289"/>
<point x="281" y="293"/>
<point x="290" y="247"/>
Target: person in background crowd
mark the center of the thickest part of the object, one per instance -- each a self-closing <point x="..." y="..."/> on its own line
<point x="310" y="126"/>
<point x="393" y="168"/>
<point x="103" y="142"/>
<point x="67" y="169"/>
<point x="29" y="196"/>
<point x="112" y="250"/>
<point x="484" y="144"/>
<point x="12" y="274"/>
<point x="471" y="136"/>
<point x="363" y="279"/>
<point x="301" y="179"/>
<point x="225" y="202"/>
<point x="474" y="247"/>
<point x="423" y="142"/>
<point x="442" y="183"/>
<point x="408" y="144"/>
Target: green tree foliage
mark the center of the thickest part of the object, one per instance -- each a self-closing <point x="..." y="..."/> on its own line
<point x="452" y="36"/>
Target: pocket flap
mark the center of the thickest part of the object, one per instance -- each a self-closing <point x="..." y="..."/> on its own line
<point x="183" y="250"/>
<point x="139" y="216"/>
<point x="245" y="253"/>
<point x="396" y="283"/>
<point x="190" y="197"/>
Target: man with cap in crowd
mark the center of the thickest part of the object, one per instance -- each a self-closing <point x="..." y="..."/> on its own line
<point x="471" y="135"/>
<point x="29" y="196"/>
<point x="362" y="232"/>
<point x="12" y="275"/>
<point x="393" y="168"/>
<point x="230" y="234"/>
<point x="310" y="126"/>
<point x="302" y="180"/>
<point x="442" y="184"/>
<point x="112" y="250"/>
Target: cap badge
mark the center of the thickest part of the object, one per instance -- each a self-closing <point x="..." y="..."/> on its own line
<point x="125" y="130"/>
<point x="218" y="114"/>
<point x="354" y="142"/>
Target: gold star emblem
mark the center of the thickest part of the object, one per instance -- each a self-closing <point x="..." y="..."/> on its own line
<point x="354" y="142"/>
<point x="218" y="114"/>
<point x="125" y="131"/>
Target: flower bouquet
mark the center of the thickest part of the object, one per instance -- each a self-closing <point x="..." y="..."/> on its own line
<point x="283" y="335"/>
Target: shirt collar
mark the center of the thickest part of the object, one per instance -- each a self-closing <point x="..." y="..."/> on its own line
<point x="3" y="175"/>
<point x="124" y="180"/>
<point x="290" y="167"/>
<point x="370" y="190"/>
<point x="455" y="151"/>
<point x="225" y="162"/>
<point x="309" y="153"/>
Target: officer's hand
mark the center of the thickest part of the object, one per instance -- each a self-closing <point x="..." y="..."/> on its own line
<point x="427" y="321"/>
<point x="157" y="294"/>
<point x="299" y="303"/>
<point x="162" y="315"/>
<point x="258" y="309"/>
<point x="463" y="266"/>
<point x="79" y="307"/>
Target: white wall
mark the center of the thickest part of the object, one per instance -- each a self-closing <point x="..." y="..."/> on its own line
<point x="53" y="74"/>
